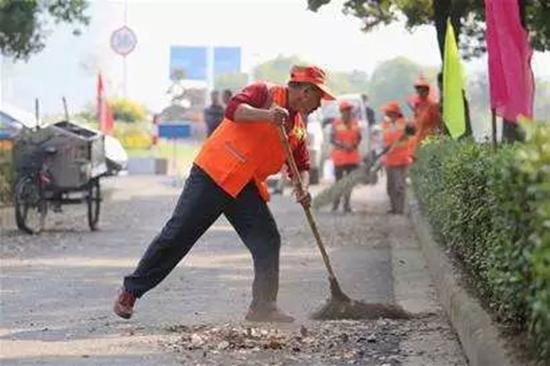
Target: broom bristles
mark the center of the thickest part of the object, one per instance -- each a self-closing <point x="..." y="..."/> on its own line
<point x="336" y="309"/>
<point x="341" y="306"/>
<point x="344" y="185"/>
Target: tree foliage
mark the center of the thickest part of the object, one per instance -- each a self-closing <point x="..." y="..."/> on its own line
<point x="468" y="17"/>
<point x="394" y="79"/>
<point x="24" y="24"/>
<point x="277" y="71"/>
<point x="127" y="110"/>
<point x="233" y="81"/>
<point x="391" y="79"/>
<point x="349" y="82"/>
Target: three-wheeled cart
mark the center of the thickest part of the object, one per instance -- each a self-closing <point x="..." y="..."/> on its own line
<point x="57" y="165"/>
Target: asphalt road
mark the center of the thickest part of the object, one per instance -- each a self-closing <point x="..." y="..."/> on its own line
<point x="57" y="290"/>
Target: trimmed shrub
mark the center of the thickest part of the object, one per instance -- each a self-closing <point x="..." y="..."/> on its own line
<point x="492" y="210"/>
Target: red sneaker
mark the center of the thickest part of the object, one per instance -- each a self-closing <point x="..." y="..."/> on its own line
<point x="124" y="304"/>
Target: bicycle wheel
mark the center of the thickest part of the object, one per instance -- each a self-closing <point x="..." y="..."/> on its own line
<point x="94" y="203"/>
<point x="30" y="206"/>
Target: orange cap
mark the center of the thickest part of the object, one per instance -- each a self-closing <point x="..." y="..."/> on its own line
<point x="421" y="82"/>
<point x="345" y="105"/>
<point x="313" y="75"/>
<point x="392" y="106"/>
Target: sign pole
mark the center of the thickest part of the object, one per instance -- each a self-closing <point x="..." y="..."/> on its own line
<point x="123" y="42"/>
<point x="124" y="76"/>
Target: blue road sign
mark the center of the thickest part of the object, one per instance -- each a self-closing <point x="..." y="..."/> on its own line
<point x="192" y="61"/>
<point x="174" y="130"/>
<point x="227" y="60"/>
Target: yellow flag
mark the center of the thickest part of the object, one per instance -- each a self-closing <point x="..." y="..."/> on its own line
<point x="453" y="85"/>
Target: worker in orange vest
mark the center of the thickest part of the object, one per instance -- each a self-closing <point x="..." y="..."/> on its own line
<point x="228" y="177"/>
<point x="345" y="139"/>
<point x="399" y="156"/>
<point x="426" y="111"/>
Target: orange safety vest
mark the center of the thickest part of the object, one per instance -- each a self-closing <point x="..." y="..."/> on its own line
<point x="350" y="135"/>
<point x="238" y="153"/>
<point x="400" y="153"/>
<point x="426" y="116"/>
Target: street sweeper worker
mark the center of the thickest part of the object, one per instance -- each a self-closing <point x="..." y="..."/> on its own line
<point x="426" y="111"/>
<point x="399" y="156"/>
<point x="345" y="139"/>
<point x="228" y="177"/>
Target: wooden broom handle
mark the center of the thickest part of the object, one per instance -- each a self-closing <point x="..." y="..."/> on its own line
<point x="297" y="181"/>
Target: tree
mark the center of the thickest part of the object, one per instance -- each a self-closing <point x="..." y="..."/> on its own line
<point x="126" y="110"/>
<point x="467" y="16"/>
<point x="24" y="24"/>
<point x="349" y="82"/>
<point x="278" y="70"/>
<point x="394" y="79"/>
<point x="234" y="81"/>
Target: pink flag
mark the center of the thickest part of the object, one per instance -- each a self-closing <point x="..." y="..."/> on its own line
<point x="509" y="51"/>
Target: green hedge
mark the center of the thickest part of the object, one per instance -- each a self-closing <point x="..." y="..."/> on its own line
<point x="492" y="209"/>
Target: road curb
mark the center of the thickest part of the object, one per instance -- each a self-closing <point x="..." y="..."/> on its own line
<point x="478" y="334"/>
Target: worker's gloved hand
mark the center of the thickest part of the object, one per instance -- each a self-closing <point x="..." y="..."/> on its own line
<point x="278" y="115"/>
<point x="303" y="197"/>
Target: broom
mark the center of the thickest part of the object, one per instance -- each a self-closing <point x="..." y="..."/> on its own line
<point x="339" y="305"/>
<point x="362" y="174"/>
<point x="345" y="185"/>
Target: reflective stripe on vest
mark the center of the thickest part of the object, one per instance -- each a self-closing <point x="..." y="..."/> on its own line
<point x="238" y="153"/>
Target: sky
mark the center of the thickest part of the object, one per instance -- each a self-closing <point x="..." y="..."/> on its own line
<point x="263" y="28"/>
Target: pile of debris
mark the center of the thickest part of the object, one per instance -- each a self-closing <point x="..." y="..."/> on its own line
<point x="348" y="342"/>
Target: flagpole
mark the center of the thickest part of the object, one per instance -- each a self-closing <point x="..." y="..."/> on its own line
<point x="37" y="111"/>
<point x="65" y="109"/>
<point x="494" y="127"/>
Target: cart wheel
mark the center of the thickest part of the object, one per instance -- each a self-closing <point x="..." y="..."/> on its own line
<point x="94" y="202"/>
<point x="30" y="206"/>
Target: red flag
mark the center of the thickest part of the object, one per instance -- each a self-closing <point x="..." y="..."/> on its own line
<point x="509" y="51"/>
<point x="104" y="113"/>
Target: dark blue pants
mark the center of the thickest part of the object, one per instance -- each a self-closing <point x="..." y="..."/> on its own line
<point x="199" y="206"/>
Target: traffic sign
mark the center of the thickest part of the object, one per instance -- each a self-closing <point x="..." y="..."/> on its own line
<point x="174" y="130"/>
<point x="123" y="40"/>
<point x="191" y="62"/>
